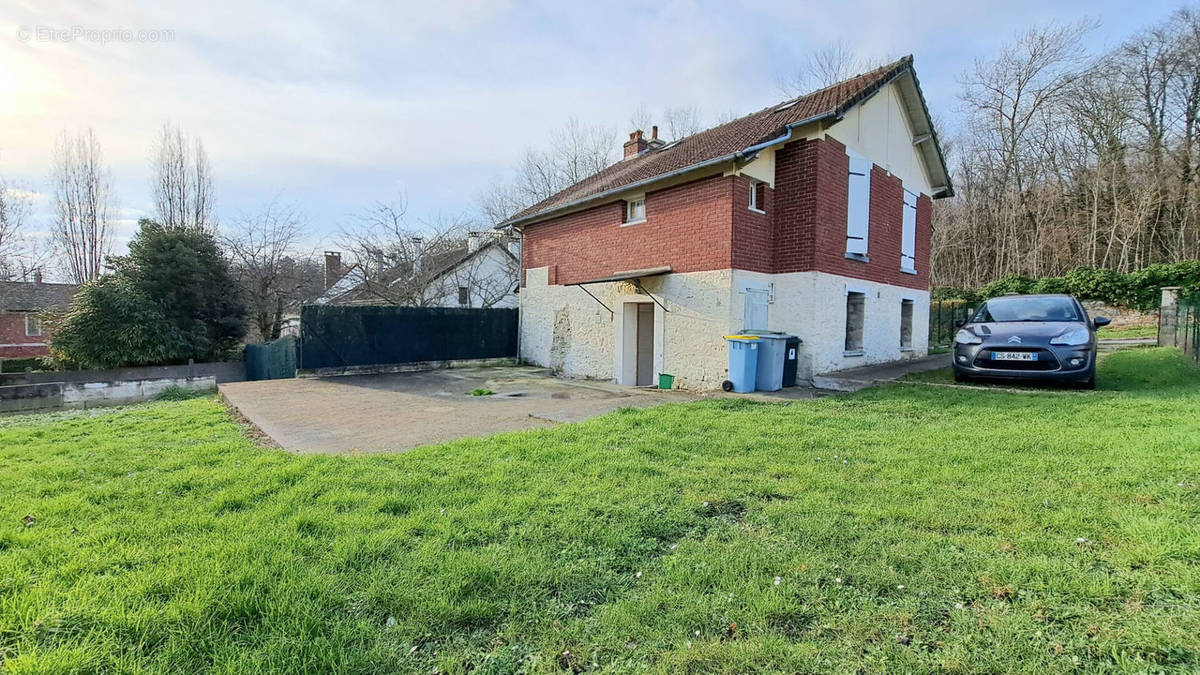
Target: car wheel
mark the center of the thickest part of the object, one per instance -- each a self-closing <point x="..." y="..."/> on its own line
<point x="961" y="378"/>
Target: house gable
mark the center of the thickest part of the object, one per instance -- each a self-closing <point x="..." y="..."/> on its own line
<point x="881" y="130"/>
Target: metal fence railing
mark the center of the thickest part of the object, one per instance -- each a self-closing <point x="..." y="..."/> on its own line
<point x="943" y="314"/>
<point x="1187" y="325"/>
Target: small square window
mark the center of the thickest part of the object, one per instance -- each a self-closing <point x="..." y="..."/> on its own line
<point x="33" y="326"/>
<point x="635" y="210"/>
<point x="464" y="296"/>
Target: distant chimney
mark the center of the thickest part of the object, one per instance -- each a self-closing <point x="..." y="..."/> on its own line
<point x="655" y="142"/>
<point x="474" y="239"/>
<point x="333" y="268"/>
<point x="418" y="247"/>
<point x="37" y="275"/>
<point x="635" y="145"/>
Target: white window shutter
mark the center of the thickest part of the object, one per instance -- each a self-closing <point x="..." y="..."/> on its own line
<point x="754" y="316"/>
<point x="858" y="204"/>
<point x="908" y="241"/>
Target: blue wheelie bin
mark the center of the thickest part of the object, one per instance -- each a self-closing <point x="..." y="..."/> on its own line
<point x="743" y="363"/>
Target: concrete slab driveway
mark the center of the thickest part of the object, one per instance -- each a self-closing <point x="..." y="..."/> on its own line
<point x="388" y="413"/>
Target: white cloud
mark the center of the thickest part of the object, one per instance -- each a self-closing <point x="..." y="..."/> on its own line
<point x="338" y="106"/>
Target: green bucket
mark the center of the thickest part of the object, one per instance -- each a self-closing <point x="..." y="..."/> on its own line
<point x="665" y="381"/>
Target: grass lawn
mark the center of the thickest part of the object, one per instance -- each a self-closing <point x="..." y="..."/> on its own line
<point x="908" y="527"/>
<point x="1128" y="332"/>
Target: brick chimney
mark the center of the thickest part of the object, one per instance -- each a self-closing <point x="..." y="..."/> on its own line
<point x="635" y="145"/>
<point x="37" y="275"/>
<point x="333" y="268"/>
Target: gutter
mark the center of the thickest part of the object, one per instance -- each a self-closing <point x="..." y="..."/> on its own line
<point x="741" y="154"/>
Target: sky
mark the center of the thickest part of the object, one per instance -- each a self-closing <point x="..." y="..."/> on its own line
<point x="331" y="107"/>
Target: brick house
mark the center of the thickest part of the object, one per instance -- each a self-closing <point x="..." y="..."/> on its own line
<point x="811" y="217"/>
<point x="22" y="335"/>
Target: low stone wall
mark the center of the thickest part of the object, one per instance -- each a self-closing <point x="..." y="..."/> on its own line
<point x="43" y="395"/>
<point x="1121" y="317"/>
<point x="222" y="371"/>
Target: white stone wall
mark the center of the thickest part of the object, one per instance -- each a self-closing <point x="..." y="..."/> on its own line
<point x="564" y="329"/>
<point x="812" y="305"/>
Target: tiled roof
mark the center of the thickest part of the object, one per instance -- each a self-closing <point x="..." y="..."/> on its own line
<point x="27" y="296"/>
<point x="723" y="141"/>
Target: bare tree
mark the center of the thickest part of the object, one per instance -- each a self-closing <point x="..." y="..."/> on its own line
<point x="14" y="208"/>
<point x="271" y="270"/>
<point x="674" y="122"/>
<point x="823" y="67"/>
<point x="397" y="261"/>
<point x="82" y="190"/>
<point x="576" y="151"/>
<point x="182" y="183"/>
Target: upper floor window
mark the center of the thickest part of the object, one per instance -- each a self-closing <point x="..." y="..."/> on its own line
<point x="858" y="205"/>
<point x="908" y="234"/>
<point x="757" y="192"/>
<point x="635" y="210"/>
<point x="33" y="325"/>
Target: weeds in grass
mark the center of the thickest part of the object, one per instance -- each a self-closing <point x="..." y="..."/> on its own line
<point x="903" y="528"/>
<point x="177" y="393"/>
<point x="482" y="392"/>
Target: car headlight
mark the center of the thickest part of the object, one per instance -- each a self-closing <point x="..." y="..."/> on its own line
<point x="966" y="337"/>
<point x="1075" y="336"/>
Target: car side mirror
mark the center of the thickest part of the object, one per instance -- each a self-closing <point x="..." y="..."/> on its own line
<point x="1101" y="321"/>
<point x="959" y="323"/>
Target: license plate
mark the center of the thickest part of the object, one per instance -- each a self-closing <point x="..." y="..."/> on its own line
<point x="1014" y="356"/>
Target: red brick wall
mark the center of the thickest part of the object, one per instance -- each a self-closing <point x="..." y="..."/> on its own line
<point x="12" y="332"/>
<point x="687" y="227"/>
<point x="810" y="226"/>
<point x="753" y="233"/>
<point x="707" y="225"/>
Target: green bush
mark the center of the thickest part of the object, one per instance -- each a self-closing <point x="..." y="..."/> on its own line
<point x="19" y="365"/>
<point x="1098" y="284"/>
<point x="110" y="325"/>
<point x="1140" y="289"/>
<point x="1012" y="283"/>
<point x="1051" y="285"/>
<point x="171" y="299"/>
<point x="1146" y="284"/>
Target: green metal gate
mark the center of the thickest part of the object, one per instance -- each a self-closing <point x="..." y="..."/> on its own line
<point x="275" y="360"/>
<point x="1187" y="325"/>
<point x="943" y="314"/>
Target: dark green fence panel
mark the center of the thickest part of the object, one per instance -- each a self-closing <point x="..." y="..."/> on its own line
<point x="342" y="337"/>
<point x="275" y="360"/>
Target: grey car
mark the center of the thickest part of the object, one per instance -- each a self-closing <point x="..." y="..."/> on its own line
<point x="1029" y="337"/>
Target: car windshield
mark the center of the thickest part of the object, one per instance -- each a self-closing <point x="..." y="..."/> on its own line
<point x="1019" y="308"/>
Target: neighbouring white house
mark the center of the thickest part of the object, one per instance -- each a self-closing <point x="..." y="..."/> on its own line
<point x="482" y="273"/>
<point x="810" y="217"/>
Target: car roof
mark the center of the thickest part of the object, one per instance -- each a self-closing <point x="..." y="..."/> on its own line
<point x="1032" y="295"/>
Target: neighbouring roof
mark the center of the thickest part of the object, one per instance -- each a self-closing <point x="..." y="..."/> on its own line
<point x="28" y="296"/>
<point x="354" y="289"/>
<point x="743" y="135"/>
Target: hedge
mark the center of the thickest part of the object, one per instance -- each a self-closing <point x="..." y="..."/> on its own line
<point x="1140" y="289"/>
